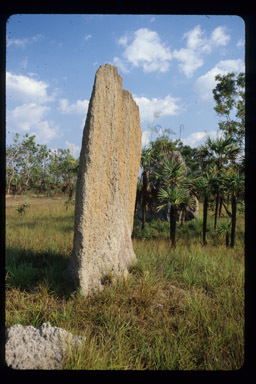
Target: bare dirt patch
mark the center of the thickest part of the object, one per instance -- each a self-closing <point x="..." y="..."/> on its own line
<point x="34" y="200"/>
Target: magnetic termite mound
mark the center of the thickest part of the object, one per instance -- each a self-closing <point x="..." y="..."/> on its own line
<point x="106" y="185"/>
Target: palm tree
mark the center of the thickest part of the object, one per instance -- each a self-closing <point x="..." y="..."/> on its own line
<point x="173" y="196"/>
<point x="220" y="152"/>
<point x="146" y="160"/>
<point x="224" y="228"/>
<point x="234" y="182"/>
<point x="173" y="190"/>
<point x="204" y="186"/>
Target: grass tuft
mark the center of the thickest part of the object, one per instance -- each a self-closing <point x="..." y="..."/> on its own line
<point x="179" y="309"/>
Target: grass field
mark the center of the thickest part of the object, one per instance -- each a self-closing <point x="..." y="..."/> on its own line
<point x="179" y="309"/>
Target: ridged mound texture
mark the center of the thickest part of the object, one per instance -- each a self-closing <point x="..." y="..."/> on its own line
<point x="106" y="185"/>
<point x="44" y="348"/>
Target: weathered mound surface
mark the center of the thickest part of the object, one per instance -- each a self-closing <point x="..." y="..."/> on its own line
<point x="106" y="185"/>
<point x="43" y="348"/>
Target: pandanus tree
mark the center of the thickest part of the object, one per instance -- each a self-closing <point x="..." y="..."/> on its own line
<point x="234" y="182"/>
<point x="221" y="151"/>
<point x="174" y="196"/>
<point x="146" y="160"/>
<point x="173" y="191"/>
<point x="150" y="157"/>
<point x="203" y="185"/>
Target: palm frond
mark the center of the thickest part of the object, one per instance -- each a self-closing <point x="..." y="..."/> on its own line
<point x="173" y="195"/>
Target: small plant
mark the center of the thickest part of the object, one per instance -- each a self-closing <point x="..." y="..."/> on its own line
<point x="178" y="310"/>
<point x="21" y="209"/>
<point x="68" y="203"/>
<point x="137" y="269"/>
<point x="224" y="227"/>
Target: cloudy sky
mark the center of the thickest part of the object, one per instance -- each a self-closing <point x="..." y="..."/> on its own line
<point x="168" y="62"/>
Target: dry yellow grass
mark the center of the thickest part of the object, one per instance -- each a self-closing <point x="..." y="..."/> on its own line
<point x="181" y="309"/>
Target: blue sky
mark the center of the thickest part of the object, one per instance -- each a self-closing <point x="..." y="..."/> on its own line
<point x="167" y="62"/>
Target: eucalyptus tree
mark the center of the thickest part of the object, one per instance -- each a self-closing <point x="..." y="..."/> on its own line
<point x="229" y="95"/>
<point x="13" y="152"/>
<point x="39" y="170"/>
<point x="63" y="168"/>
<point x="26" y="163"/>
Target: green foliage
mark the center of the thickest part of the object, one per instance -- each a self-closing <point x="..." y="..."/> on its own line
<point x="234" y="182"/>
<point x="177" y="310"/>
<point x="21" y="209"/>
<point x="189" y="156"/>
<point x="34" y="167"/>
<point x="229" y="95"/>
<point x="172" y="195"/>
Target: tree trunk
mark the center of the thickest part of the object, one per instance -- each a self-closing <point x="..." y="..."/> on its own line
<point x="229" y="214"/>
<point x="173" y="225"/>
<point x="144" y="196"/>
<point x="70" y="191"/>
<point x="227" y="239"/>
<point x="9" y="185"/>
<point x="216" y="210"/>
<point x="205" y="208"/>
<point x="182" y="214"/>
<point x="233" y="222"/>
<point x="220" y="206"/>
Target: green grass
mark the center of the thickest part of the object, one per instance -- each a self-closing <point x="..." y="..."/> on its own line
<point x="179" y="309"/>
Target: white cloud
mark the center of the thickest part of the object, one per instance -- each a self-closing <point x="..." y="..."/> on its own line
<point x="193" y="139"/>
<point x="189" y="61"/>
<point x="197" y="45"/>
<point x="146" y="51"/>
<point x="31" y="114"/>
<point x="17" y="42"/>
<point x="123" y="40"/>
<point x="24" y="63"/>
<point x="87" y="37"/>
<point x="78" y="108"/>
<point x="26" y="89"/>
<point x="198" y="138"/>
<point x="167" y="106"/>
<point x="196" y="40"/>
<point x="46" y="131"/>
<point x="121" y="64"/>
<point x="31" y="117"/>
<point x="206" y="83"/>
<point x="240" y="43"/>
<point x="219" y="37"/>
<point x="26" y="116"/>
<point x="22" y="43"/>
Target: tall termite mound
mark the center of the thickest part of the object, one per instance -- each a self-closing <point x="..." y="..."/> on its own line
<point x="106" y="185"/>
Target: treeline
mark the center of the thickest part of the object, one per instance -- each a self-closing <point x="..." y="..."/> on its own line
<point x="32" y="167"/>
<point x="215" y="176"/>
<point x="213" y="172"/>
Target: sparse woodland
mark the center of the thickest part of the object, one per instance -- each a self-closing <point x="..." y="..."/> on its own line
<point x="182" y="307"/>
